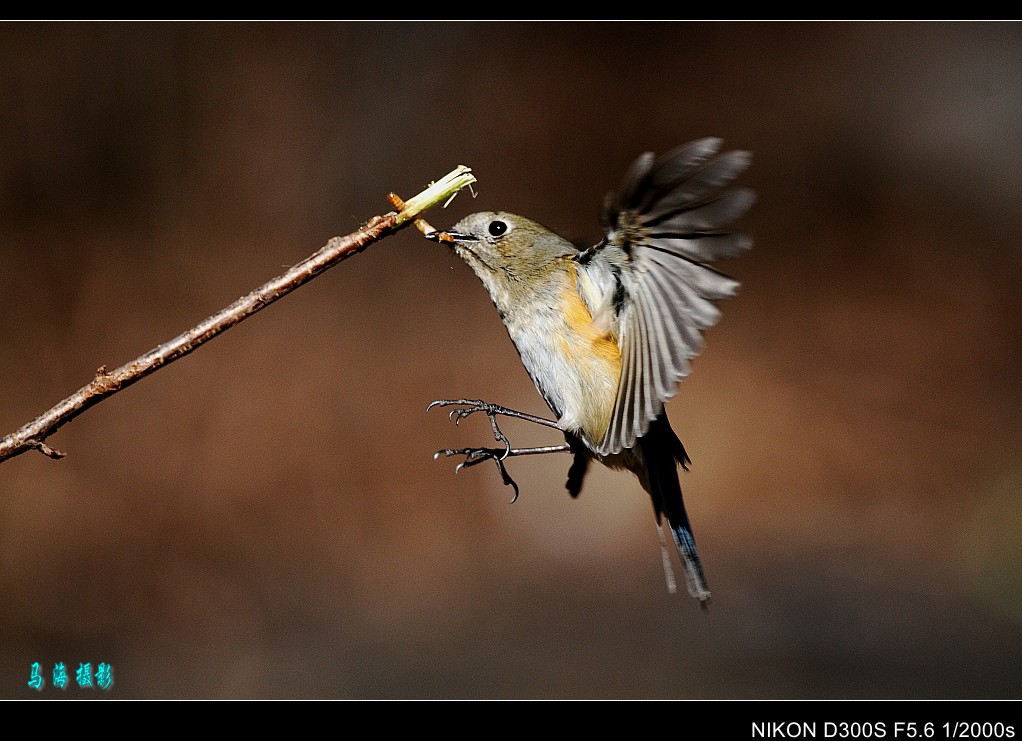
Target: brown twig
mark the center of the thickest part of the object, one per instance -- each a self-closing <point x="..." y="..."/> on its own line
<point x="106" y="383"/>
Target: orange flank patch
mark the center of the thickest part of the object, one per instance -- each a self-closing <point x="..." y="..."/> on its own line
<point x="595" y="359"/>
<point x="588" y="338"/>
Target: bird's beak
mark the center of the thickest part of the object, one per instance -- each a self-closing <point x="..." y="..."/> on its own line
<point x="449" y="237"/>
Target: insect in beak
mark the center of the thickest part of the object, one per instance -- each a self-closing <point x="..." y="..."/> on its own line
<point x="449" y="237"/>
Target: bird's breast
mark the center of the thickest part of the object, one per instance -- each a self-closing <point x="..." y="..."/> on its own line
<point x="574" y="360"/>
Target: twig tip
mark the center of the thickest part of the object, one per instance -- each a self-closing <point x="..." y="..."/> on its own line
<point x="46" y="450"/>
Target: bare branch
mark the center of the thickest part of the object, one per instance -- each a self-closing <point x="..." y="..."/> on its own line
<point x="106" y="383"/>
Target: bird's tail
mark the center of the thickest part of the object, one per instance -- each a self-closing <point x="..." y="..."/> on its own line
<point x="662" y="451"/>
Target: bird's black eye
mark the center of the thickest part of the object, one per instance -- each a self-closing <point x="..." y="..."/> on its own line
<point x="497" y="228"/>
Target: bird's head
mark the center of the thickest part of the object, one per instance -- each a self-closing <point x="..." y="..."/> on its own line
<point x="507" y="252"/>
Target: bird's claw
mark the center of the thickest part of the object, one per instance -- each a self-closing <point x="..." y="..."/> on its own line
<point x="475" y="456"/>
<point x="474" y="405"/>
<point x="471" y="406"/>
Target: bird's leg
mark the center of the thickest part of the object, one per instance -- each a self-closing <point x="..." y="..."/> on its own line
<point x="471" y="406"/>
<point x="474" y="456"/>
<point x="492" y="410"/>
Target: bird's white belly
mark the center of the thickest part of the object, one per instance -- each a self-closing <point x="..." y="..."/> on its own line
<point x="575" y="365"/>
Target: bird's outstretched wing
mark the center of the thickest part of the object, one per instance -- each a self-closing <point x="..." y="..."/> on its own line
<point x="668" y="218"/>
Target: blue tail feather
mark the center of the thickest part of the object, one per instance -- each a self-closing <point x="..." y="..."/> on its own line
<point x="662" y="451"/>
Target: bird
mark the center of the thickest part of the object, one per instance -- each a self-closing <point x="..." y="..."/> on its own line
<point x="607" y="332"/>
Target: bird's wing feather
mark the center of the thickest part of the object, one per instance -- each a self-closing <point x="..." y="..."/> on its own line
<point x="668" y="217"/>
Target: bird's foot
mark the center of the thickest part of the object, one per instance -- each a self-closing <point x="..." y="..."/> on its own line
<point x="471" y="406"/>
<point x="475" y="456"/>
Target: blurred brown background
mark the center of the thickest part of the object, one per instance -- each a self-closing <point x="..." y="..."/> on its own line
<point x="263" y="518"/>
